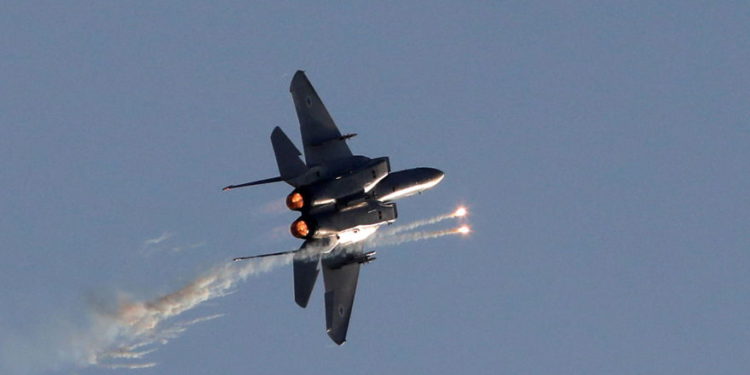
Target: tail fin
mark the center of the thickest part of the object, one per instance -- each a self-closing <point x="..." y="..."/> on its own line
<point x="287" y="156"/>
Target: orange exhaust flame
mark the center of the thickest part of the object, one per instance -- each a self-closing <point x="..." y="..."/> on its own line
<point x="300" y="229"/>
<point x="295" y="201"/>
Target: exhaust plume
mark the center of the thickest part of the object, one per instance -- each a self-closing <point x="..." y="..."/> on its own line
<point x="124" y="336"/>
<point x="391" y="240"/>
<point x="461" y="211"/>
<point x="137" y="324"/>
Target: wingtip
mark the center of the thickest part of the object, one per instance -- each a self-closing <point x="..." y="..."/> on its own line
<point x="335" y="337"/>
<point x="299" y="79"/>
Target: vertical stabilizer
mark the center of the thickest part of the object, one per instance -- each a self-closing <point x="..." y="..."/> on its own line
<point x="287" y="156"/>
<point x="305" y="273"/>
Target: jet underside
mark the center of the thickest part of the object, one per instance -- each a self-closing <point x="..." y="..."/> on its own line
<point x="342" y="199"/>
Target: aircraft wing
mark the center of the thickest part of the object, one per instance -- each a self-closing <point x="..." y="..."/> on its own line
<point x="321" y="138"/>
<point x="340" y="279"/>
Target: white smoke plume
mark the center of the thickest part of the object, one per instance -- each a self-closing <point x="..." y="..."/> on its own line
<point x="134" y="325"/>
<point x="458" y="213"/>
<point x="163" y="237"/>
<point x="131" y="366"/>
<point x="123" y="334"/>
<point x="397" y="239"/>
<point x="123" y="337"/>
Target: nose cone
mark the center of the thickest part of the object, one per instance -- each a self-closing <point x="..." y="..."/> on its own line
<point x="433" y="176"/>
<point x="429" y="177"/>
<point x="406" y="183"/>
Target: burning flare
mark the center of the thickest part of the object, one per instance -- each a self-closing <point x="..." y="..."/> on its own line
<point x="124" y="337"/>
<point x="464" y="229"/>
<point x="460" y="212"/>
<point x="396" y="235"/>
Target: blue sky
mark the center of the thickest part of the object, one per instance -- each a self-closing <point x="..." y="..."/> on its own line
<point x="602" y="149"/>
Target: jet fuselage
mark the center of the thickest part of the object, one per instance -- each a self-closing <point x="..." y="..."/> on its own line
<point x="357" y="200"/>
<point x="342" y="199"/>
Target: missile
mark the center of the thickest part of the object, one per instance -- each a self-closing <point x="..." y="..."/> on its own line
<point x="262" y="255"/>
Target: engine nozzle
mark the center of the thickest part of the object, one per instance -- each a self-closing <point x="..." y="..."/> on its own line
<point x="300" y="229"/>
<point x="295" y="201"/>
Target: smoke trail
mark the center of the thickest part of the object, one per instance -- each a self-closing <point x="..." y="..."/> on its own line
<point x="130" y="366"/>
<point x="459" y="212"/>
<point x="391" y="240"/>
<point x="123" y="337"/>
<point x="413" y="225"/>
<point x="124" y="353"/>
<point x="137" y="324"/>
<point x="163" y="237"/>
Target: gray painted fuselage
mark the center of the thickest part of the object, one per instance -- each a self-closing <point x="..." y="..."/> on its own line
<point x="342" y="199"/>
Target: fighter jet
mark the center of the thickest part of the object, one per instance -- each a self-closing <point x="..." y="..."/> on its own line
<point x="342" y="200"/>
